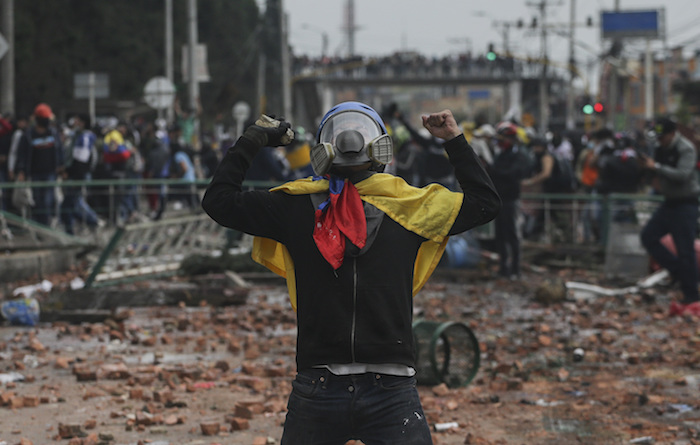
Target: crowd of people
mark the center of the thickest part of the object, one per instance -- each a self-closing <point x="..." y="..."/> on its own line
<point x="410" y="64"/>
<point x="49" y="161"/>
<point x="657" y="160"/>
<point x="599" y="163"/>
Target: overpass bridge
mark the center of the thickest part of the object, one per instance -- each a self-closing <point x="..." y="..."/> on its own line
<point x="469" y="86"/>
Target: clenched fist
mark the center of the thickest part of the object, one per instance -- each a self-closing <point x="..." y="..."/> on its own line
<point x="442" y="125"/>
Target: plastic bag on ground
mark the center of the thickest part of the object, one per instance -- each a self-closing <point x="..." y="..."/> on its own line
<point x="21" y="311"/>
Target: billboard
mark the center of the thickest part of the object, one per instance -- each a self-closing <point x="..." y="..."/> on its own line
<point x="629" y="24"/>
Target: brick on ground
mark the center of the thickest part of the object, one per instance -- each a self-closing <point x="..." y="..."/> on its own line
<point x="238" y="424"/>
<point x="66" y="431"/>
<point x="210" y="428"/>
<point x="5" y="398"/>
<point x="30" y="401"/>
<point x="115" y="371"/>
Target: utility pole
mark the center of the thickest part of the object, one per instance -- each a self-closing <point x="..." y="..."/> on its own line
<point x="192" y="43"/>
<point x="544" y="93"/>
<point x="648" y="83"/>
<point x="570" y="122"/>
<point x="350" y="27"/>
<point x="274" y="49"/>
<point x="612" y="106"/>
<point x="7" y="87"/>
<point x="505" y="35"/>
<point x="286" y="66"/>
<point x="169" y="73"/>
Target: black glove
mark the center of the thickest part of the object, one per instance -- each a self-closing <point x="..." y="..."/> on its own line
<point x="269" y="132"/>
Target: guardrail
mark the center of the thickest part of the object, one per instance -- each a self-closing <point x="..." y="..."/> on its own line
<point x="557" y="218"/>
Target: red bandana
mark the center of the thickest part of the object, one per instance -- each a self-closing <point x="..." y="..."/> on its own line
<point x="341" y="215"/>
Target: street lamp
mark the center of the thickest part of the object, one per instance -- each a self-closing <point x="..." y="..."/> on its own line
<point x="324" y="37"/>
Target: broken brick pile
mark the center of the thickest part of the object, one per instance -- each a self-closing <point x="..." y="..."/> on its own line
<point x="225" y="372"/>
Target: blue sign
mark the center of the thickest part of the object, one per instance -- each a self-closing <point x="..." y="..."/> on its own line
<point x="617" y="24"/>
<point x="479" y="94"/>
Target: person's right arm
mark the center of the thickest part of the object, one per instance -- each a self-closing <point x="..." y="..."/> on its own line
<point x="225" y="201"/>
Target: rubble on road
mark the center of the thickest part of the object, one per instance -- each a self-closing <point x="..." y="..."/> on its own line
<point x="560" y="363"/>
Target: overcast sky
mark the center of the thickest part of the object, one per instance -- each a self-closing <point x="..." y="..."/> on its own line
<point x="441" y="27"/>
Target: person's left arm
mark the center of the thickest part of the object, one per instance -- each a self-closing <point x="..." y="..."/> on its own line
<point x="481" y="202"/>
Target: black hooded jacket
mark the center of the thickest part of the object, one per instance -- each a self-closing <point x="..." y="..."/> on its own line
<point x="361" y="312"/>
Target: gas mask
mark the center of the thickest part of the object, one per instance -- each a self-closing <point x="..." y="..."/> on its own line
<point x="351" y="134"/>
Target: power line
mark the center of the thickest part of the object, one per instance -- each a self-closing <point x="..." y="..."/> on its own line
<point x="686" y="27"/>
<point x="689" y="40"/>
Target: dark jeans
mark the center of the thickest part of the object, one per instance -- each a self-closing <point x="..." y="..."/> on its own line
<point x="5" y="194"/>
<point x="507" y="239"/>
<point x="44" y="199"/>
<point x="680" y="220"/>
<point x="326" y="409"/>
<point x="75" y="207"/>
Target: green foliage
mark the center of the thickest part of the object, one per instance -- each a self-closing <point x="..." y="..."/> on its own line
<point x="54" y="40"/>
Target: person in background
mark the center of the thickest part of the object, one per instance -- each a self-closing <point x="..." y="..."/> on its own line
<point x="408" y="154"/>
<point x="40" y="159"/>
<point x="674" y="178"/>
<point x="619" y="172"/>
<point x="586" y="170"/>
<point x="182" y="168"/>
<point x="186" y="119"/>
<point x="157" y="167"/>
<point x="298" y="155"/>
<point x="80" y="160"/>
<point x="481" y="143"/>
<point x="118" y="151"/>
<point x="355" y="246"/>
<point x="6" y="131"/>
<point x="20" y="126"/>
<point x="434" y="165"/>
<point x="549" y="174"/>
<point x="509" y="168"/>
<point x="209" y="155"/>
<point x="562" y="147"/>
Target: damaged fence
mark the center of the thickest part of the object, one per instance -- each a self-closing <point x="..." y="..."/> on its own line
<point x="156" y="248"/>
<point x="19" y="233"/>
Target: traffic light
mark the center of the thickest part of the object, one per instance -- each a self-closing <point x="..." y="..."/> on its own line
<point x="590" y="108"/>
<point x="491" y="54"/>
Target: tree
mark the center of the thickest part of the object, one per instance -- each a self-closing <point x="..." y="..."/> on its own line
<point x="125" y="39"/>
